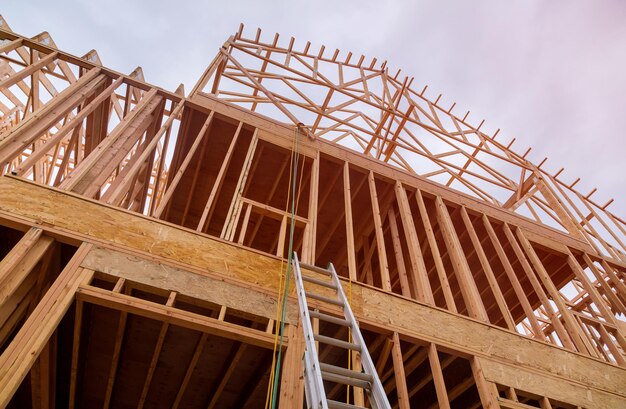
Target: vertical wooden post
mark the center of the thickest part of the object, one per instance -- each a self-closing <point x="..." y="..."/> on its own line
<point x="282" y="236"/>
<point x="397" y="250"/>
<point x="491" y="278"/>
<point x="545" y="403"/>
<point x="440" y="385"/>
<point x="78" y="322"/>
<point x="380" y="239"/>
<point x="422" y="289"/>
<point x="347" y="198"/>
<point x="359" y="396"/>
<point x="486" y="390"/>
<point x="311" y="236"/>
<point x="475" y="306"/>
<point x="217" y="186"/>
<point x="291" y="382"/>
<point x="398" y="370"/>
<point x="434" y="249"/>
<point x="228" y="231"/>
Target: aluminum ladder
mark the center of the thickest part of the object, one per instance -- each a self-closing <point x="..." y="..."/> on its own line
<point x="315" y="372"/>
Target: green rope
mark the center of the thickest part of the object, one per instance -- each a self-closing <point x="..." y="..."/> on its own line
<point x="289" y="261"/>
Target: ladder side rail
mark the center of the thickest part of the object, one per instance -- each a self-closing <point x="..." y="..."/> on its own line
<point x="312" y="365"/>
<point x="378" y="397"/>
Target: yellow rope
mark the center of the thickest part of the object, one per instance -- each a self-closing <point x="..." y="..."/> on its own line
<point x="270" y="388"/>
<point x="282" y="279"/>
<point x="349" y="334"/>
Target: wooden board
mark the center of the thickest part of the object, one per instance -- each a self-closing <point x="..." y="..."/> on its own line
<point x="544" y="385"/>
<point x="205" y="287"/>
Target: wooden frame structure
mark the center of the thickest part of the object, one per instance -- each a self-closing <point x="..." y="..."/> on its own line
<point x="142" y="233"/>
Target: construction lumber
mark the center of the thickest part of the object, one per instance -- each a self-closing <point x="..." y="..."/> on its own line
<point x="157" y="239"/>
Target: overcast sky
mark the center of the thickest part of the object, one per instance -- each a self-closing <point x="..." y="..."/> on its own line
<point x="550" y="73"/>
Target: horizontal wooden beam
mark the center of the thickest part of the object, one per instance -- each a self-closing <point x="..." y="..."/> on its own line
<point x="545" y="385"/>
<point x="230" y="293"/>
<point x="174" y="316"/>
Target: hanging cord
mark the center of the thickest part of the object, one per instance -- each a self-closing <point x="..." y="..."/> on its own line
<point x="282" y="307"/>
<point x="349" y="336"/>
<point x="279" y="300"/>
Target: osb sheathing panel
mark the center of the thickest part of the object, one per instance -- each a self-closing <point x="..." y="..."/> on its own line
<point x="542" y="385"/>
<point x="199" y="286"/>
<point x="89" y="219"/>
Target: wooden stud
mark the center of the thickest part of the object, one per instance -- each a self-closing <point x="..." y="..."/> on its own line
<point x="210" y="203"/>
<point x="380" y="240"/>
<point x="423" y="291"/>
<point x="470" y="293"/>
<point x="437" y="374"/>
<point x="398" y="365"/>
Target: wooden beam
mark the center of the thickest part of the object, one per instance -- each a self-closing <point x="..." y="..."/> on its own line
<point x="309" y="250"/>
<point x="190" y="368"/>
<point x="573" y="329"/>
<point x="384" y="355"/>
<point x="19" y="356"/>
<point x="232" y="365"/>
<point x="217" y="186"/>
<point x="434" y="249"/>
<point x="19" y="264"/>
<point x="397" y="250"/>
<point x="440" y="385"/>
<point x="89" y="176"/>
<point x="486" y="390"/>
<point x="155" y="355"/>
<point x="117" y="349"/>
<point x="171" y="188"/>
<point x="78" y="322"/>
<point x="398" y="365"/>
<point x="174" y="316"/>
<point x="347" y="199"/>
<point x="543" y="384"/>
<point x="517" y="287"/>
<point x="291" y="383"/>
<point x="471" y="296"/>
<point x="380" y="239"/>
<point x="486" y="266"/>
<point x="28" y="71"/>
<point x="422" y="289"/>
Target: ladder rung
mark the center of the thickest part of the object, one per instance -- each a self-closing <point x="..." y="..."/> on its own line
<point x="337" y="343"/>
<point x="328" y="284"/>
<point x="345" y="372"/>
<point x="316" y="269"/>
<point x="345" y="380"/>
<point x="324" y="299"/>
<point x="330" y="318"/>
<point x="333" y="404"/>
